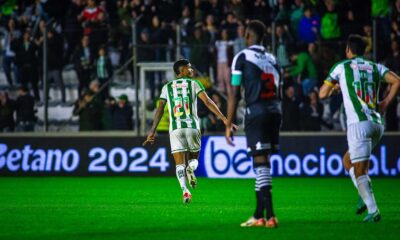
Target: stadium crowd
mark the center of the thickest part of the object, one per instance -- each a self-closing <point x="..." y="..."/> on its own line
<point x="308" y="37"/>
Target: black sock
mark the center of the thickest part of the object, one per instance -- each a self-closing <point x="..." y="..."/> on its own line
<point x="267" y="194"/>
<point x="259" y="213"/>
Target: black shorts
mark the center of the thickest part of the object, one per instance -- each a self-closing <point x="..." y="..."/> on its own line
<point x="262" y="133"/>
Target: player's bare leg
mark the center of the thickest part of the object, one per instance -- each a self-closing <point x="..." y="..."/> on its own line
<point x="191" y="168"/>
<point x="180" y="158"/>
<point x="361" y="207"/>
<point x="365" y="190"/>
<point x="263" y="195"/>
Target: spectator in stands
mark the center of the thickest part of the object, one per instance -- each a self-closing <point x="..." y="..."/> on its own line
<point x="330" y="27"/>
<point x="214" y="124"/>
<point x="25" y="109"/>
<point x="211" y="28"/>
<point x="145" y="50"/>
<point x="295" y="16"/>
<point x="83" y="59"/>
<point x="396" y="11"/>
<point x="123" y="40"/>
<point x="198" y="13"/>
<point x="99" y="31"/>
<point x="367" y="29"/>
<point x="89" y="16"/>
<point x="260" y="10"/>
<point x="94" y="86"/>
<point x="197" y="40"/>
<point x="146" y="53"/>
<point x="122" y="114"/>
<point x="104" y="72"/>
<point x="7" y="109"/>
<point x="26" y="60"/>
<point x="324" y="57"/>
<point x="159" y="36"/>
<point x="36" y="11"/>
<point x="393" y="60"/>
<point x="309" y="26"/>
<point x="290" y="110"/>
<point x="314" y="49"/>
<point x="73" y="28"/>
<point x="9" y="65"/>
<point x="217" y="9"/>
<point x="239" y="43"/>
<point x="311" y="113"/>
<point x="230" y="24"/>
<point x="395" y="34"/>
<point x="123" y="10"/>
<point x="106" y="118"/>
<point x="304" y="71"/>
<point x="224" y="57"/>
<point x="7" y="9"/>
<point x="237" y="8"/>
<point x="281" y="12"/>
<point x="55" y="61"/>
<point x="186" y="25"/>
<point x="380" y="10"/>
<point x="284" y="41"/>
<point x="89" y="108"/>
<point x="199" y="44"/>
<point x="349" y="12"/>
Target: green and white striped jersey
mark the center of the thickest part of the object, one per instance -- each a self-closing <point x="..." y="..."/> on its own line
<point x="181" y="95"/>
<point x="359" y="81"/>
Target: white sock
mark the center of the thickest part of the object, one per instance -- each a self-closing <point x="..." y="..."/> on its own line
<point x="365" y="191"/>
<point x="353" y="177"/>
<point x="180" y="174"/>
<point x="193" y="163"/>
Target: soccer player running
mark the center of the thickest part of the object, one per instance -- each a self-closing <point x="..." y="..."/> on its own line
<point x="184" y="129"/>
<point x="358" y="80"/>
<point x="255" y="70"/>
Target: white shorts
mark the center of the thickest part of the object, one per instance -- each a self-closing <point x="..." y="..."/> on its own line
<point x="362" y="137"/>
<point x="185" y="140"/>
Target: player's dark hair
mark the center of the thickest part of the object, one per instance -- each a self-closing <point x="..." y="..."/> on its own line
<point x="258" y="28"/>
<point x="180" y="63"/>
<point x="356" y="44"/>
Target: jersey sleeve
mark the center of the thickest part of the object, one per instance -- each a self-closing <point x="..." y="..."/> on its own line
<point x="334" y="74"/>
<point x="237" y="69"/>
<point x="382" y="70"/>
<point x="198" y="87"/>
<point x="164" y="93"/>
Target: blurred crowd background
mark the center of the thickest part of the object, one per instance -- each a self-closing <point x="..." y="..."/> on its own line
<point x="91" y="46"/>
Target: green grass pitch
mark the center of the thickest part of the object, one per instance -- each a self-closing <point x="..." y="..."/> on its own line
<point x="152" y="209"/>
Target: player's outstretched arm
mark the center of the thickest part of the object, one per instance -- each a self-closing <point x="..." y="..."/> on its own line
<point x="394" y="81"/>
<point x="210" y="104"/>
<point x="157" y="117"/>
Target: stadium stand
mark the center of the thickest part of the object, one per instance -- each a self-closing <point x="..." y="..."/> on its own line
<point x="169" y="29"/>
